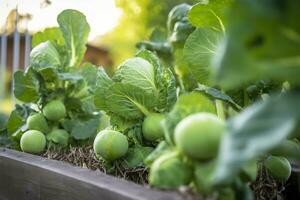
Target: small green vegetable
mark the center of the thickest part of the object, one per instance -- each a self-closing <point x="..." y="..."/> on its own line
<point x="33" y="142"/>
<point x="110" y="145"/>
<point x="169" y="171"/>
<point x="198" y="135"/>
<point x="38" y="122"/>
<point x="59" y="136"/>
<point x="203" y="176"/>
<point x="152" y="128"/>
<point x="278" y="167"/>
<point x="54" y="110"/>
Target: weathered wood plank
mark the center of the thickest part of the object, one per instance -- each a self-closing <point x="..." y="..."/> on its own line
<point x="30" y="177"/>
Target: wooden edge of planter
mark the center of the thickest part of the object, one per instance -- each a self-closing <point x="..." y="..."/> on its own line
<point x="26" y="176"/>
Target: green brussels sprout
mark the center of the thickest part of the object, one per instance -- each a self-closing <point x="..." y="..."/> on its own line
<point x="203" y="174"/>
<point x="33" y="141"/>
<point x="169" y="171"/>
<point x="110" y="145"/>
<point x="152" y="128"/>
<point x="38" y="122"/>
<point x="278" y="167"/>
<point x="54" y="110"/>
<point x="59" y="136"/>
<point x="199" y="135"/>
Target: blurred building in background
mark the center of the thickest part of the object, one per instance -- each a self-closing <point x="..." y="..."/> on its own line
<point x="15" y="47"/>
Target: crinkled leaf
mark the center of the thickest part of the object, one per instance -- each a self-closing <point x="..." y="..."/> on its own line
<point x="129" y="101"/>
<point x="75" y="31"/>
<point x="164" y="79"/>
<point x="82" y="128"/>
<point x="26" y="87"/>
<point x="255" y="131"/>
<point x="135" y="156"/>
<point x="44" y="55"/>
<point x="139" y="73"/>
<point x="199" y="49"/>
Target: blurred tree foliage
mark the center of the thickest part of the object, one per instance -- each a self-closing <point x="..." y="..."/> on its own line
<point x="137" y="21"/>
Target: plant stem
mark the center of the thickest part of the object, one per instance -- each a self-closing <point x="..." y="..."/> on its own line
<point x="220" y="109"/>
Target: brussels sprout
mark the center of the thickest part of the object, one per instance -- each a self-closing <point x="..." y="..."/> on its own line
<point x="203" y="174"/>
<point x="110" y="145"/>
<point x="38" y="122"/>
<point x="199" y="135"/>
<point x="278" y="167"/>
<point x="59" y="136"/>
<point x="152" y="128"/>
<point x="33" y="141"/>
<point x="54" y="110"/>
<point x="169" y="171"/>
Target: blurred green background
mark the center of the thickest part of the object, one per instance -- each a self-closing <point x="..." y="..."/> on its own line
<point x="138" y="20"/>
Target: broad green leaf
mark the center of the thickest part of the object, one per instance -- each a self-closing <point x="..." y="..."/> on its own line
<point x="16" y="123"/>
<point x="44" y="55"/>
<point x="49" y="34"/>
<point x="183" y="70"/>
<point x="250" y="52"/>
<point x="129" y="102"/>
<point x="75" y="30"/>
<point x="49" y="74"/>
<point x="258" y="129"/>
<point x="139" y="73"/>
<point x="199" y="49"/>
<point x="209" y="14"/>
<point x="164" y="80"/>
<point x="89" y="73"/>
<point x="26" y="87"/>
<point x="103" y="83"/>
<point x="82" y="129"/>
<point x="186" y="105"/>
<point x="58" y="138"/>
<point x="135" y="156"/>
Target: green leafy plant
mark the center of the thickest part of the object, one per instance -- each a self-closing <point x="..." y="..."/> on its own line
<point x="56" y="90"/>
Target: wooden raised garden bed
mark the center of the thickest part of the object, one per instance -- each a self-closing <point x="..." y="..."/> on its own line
<point x="26" y="176"/>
